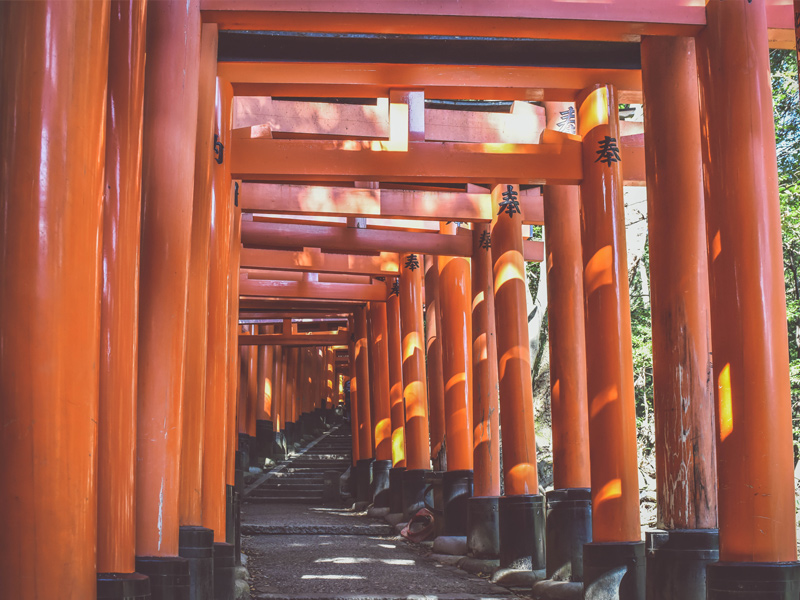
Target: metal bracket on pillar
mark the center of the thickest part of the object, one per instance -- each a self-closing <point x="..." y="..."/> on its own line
<point x="219" y="150"/>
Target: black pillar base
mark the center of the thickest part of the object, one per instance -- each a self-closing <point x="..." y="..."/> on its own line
<point x="396" y="489"/>
<point x="230" y="519"/>
<point x="244" y="448"/>
<point x="414" y="491"/>
<point x="456" y="491"/>
<point x="196" y="544"/>
<point x="753" y="581"/>
<point x="237" y="527"/>
<point x="381" y="494"/>
<point x="483" y="527"/>
<point x="522" y="524"/>
<point x="677" y="560"/>
<point x="290" y="438"/>
<point x="239" y="462"/>
<point x="615" y="568"/>
<point x="123" y="586"/>
<point x="224" y="572"/>
<point x="169" y="576"/>
<point x="264" y="439"/>
<point x="364" y="478"/>
<point x="569" y="527"/>
<point x="278" y="446"/>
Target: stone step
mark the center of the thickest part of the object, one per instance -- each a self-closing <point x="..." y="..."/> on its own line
<point x="285" y="499"/>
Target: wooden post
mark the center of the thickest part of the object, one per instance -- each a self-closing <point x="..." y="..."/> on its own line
<point x="170" y="128"/>
<point x="748" y="304"/>
<point x="433" y="344"/>
<point x="616" y="530"/>
<point x="52" y="121"/>
<point x="116" y="451"/>
<point x="398" y="407"/>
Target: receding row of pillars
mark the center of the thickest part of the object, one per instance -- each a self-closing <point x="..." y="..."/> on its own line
<point x="118" y="326"/>
<point x="723" y="441"/>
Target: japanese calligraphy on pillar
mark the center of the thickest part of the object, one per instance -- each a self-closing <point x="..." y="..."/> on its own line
<point x="509" y="204"/>
<point x="609" y="151"/>
<point x="567" y="122"/>
<point x="485" y="240"/>
<point x="395" y="288"/>
<point x="412" y="262"/>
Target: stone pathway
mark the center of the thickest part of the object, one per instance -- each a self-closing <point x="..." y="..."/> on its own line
<point x="302" y="552"/>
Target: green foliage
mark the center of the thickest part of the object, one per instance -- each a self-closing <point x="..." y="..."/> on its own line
<point x="642" y="342"/>
<point x="787" y="134"/>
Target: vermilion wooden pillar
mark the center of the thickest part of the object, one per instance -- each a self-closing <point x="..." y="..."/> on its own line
<point x="396" y="399"/>
<point x="170" y="127"/>
<point x="455" y="289"/>
<point x="485" y="402"/>
<point x="278" y="417"/>
<point x="53" y="75"/>
<point x="116" y="448"/>
<point x="418" y="453"/>
<point x="380" y="409"/>
<point x="353" y="395"/>
<point x="683" y="394"/>
<point x="252" y="390"/>
<point x="748" y="304"/>
<point x="483" y="523"/>
<point x="616" y="529"/>
<point x="365" y="439"/>
<point x="233" y="323"/>
<point x="219" y="304"/>
<point x="562" y="209"/>
<point x="194" y="385"/>
<point x="521" y="509"/>
<point x="331" y="387"/>
<point x="291" y="393"/>
<point x="455" y="318"/>
<point x="433" y="344"/>
<point x="264" y="400"/>
<point x="514" y="369"/>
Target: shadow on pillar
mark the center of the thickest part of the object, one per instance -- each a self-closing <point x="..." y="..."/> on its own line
<point x="230" y="520"/>
<point x="224" y="571"/>
<point x="169" y="576"/>
<point x="483" y="527"/>
<point x="196" y="544"/>
<point x="381" y="493"/>
<point x="456" y="492"/>
<point x="123" y="586"/>
<point x="522" y="523"/>
<point x="569" y="527"/>
<point x="288" y="431"/>
<point x="614" y="570"/>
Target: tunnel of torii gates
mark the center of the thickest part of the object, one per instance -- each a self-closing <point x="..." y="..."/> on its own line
<point x="201" y="249"/>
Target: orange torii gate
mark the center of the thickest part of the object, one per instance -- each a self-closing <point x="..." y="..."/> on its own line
<point x="163" y="404"/>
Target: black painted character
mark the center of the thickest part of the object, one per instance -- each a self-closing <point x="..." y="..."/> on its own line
<point x="609" y="151"/>
<point x="412" y="262"/>
<point x="510" y="204"/>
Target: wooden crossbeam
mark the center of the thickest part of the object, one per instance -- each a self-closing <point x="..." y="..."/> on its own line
<point x="259" y="305"/>
<point x="307" y="339"/>
<point x="347" y="239"/>
<point x="314" y="260"/>
<point x="387" y="203"/>
<point x="375" y="292"/>
<point x="277" y="275"/>
<point x="451" y="82"/>
<point x="350" y="160"/>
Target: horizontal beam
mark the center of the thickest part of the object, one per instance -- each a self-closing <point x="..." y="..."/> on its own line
<point x="278" y="316"/>
<point x="272" y="274"/>
<point x="313" y="260"/>
<point x="264" y="117"/>
<point x="349" y="160"/>
<point x="279" y="339"/>
<point x="622" y="20"/>
<point x="357" y="202"/>
<point x="313" y="290"/>
<point x="350" y="239"/>
<point x="446" y="82"/>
